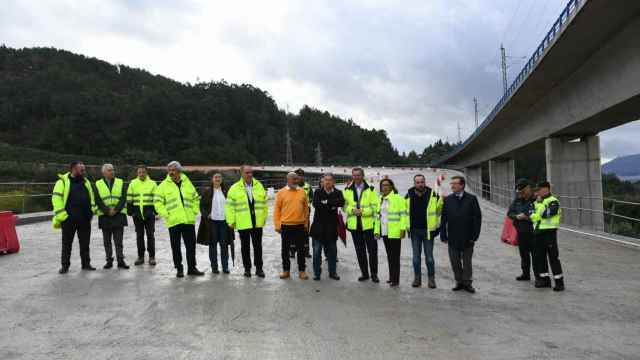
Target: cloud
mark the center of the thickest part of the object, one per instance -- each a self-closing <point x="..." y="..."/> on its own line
<point x="411" y="67"/>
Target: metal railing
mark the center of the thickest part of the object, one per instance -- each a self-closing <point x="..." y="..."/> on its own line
<point x="614" y="217"/>
<point x="26" y="197"/>
<point x="565" y="16"/>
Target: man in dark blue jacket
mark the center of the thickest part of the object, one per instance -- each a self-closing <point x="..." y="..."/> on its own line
<point x="460" y="229"/>
<point x="521" y="208"/>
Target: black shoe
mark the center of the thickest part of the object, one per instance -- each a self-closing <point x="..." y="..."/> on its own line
<point x="389" y="281"/>
<point x="215" y="271"/>
<point x="308" y="256"/>
<point x="247" y="273"/>
<point x="559" y="285"/>
<point x="63" y="270"/>
<point x="108" y="265"/>
<point x="316" y="278"/>
<point x="458" y="287"/>
<point x="292" y="255"/>
<point x="375" y="279"/>
<point x="416" y="283"/>
<point x="260" y="273"/>
<point x="122" y="265"/>
<point x="393" y="284"/>
<point x="523" y="277"/>
<point x="543" y="283"/>
<point x="139" y="261"/>
<point x="470" y="289"/>
<point x="195" y="272"/>
<point x="88" y="268"/>
<point x="180" y="273"/>
<point x="334" y="276"/>
<point x="363" y="278"/>
<point x="225" y="271"/>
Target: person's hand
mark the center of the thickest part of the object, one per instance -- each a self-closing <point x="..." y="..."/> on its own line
<point x="278" y="230"/>
<point x="402" y="234"/>
<point x="521" y="216"/>
<point x="112" y="212"/>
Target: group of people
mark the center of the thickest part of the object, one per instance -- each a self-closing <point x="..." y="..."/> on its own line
<point x="536" y="216"/>
<point x="371" y="214"/>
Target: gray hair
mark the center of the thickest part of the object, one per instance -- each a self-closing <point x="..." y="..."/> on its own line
<point x="106" y="167"/>
<point x="292" y="174"/>
<point x="175" y="164"/>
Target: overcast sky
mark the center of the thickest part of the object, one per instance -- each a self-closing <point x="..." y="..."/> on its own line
<point x="410" y="67"/>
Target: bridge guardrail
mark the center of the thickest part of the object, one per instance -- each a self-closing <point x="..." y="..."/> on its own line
<point x="565" y="16"/>
<point x="27" y="197"/>
<point x="618" y="218"/>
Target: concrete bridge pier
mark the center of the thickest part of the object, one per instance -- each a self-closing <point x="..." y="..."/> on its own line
<point x="573" y="169"/>
<point x="502" y="180"/>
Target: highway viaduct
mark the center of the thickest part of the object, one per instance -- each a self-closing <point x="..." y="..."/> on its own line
<point x="584" y="78"/>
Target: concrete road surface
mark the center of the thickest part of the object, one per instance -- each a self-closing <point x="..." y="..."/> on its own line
<point x="146" y="313"/>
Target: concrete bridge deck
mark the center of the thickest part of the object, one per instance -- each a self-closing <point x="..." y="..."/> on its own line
<point x="147" y="313"/>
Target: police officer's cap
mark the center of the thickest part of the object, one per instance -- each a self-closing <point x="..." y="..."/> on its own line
<point x="544" y="184"/>
<point x="522" y="183"/>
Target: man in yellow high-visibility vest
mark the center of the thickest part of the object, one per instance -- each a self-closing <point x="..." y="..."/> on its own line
<point x="73" y="208"/>
<point x="177" y="201"/>
<point x="112" y="214"/>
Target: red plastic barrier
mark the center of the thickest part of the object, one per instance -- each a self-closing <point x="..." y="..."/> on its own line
<point x="8" y="236"/>
<point x="509" y="233"/>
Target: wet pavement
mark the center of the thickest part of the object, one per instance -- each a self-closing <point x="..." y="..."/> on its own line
<point x="147" y="313"/>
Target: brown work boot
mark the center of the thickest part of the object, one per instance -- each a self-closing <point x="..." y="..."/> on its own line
<point x="432" y="282"/>
<point x="285" y="275"/>
<point x="303" y="275"/>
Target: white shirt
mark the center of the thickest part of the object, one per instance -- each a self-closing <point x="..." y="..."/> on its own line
<point x="249" y="189"/>
<point x="217" y="205"/>
<point x="384" y="217"/>
<point x="359" y="190"/>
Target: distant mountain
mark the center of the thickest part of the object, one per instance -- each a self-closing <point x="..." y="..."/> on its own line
<point x="623" y="166"/>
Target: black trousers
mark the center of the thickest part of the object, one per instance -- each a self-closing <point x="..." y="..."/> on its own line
<point x="188" y="234"/>
<point x="296" y="235"/>
<point x="250" y="237"/>
<point x="116" y="234"/>
<point x="149" y="226"/>
<point x="461" y="264"/>
<point x="546" y="249"/>
<point x="525" y="246"/>
<point x="364" y="241"/>
<point x="69" y="230"/>
<point x="393" y="246"/>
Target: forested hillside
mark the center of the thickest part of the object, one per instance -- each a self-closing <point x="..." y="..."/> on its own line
<point x="56" y="101"/>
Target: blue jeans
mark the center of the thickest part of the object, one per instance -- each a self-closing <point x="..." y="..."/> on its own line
<point x="330" y="250"/>
<point x="419" y="240"/>
<point x="217" y="235"/>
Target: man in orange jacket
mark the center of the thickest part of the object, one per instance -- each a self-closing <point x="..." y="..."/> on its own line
<point x="291" y="220"/>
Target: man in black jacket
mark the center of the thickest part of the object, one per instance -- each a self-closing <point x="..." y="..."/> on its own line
<point x="460" y="228"/>
<point x="521" y="208"/>
<point x="324" y="230"/>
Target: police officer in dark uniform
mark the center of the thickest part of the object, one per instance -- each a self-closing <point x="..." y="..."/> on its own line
<point x="520" y="211"/>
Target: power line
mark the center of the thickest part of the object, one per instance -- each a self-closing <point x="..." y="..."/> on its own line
<point x="475" y="106"/>
<point x="503" y="61"/>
